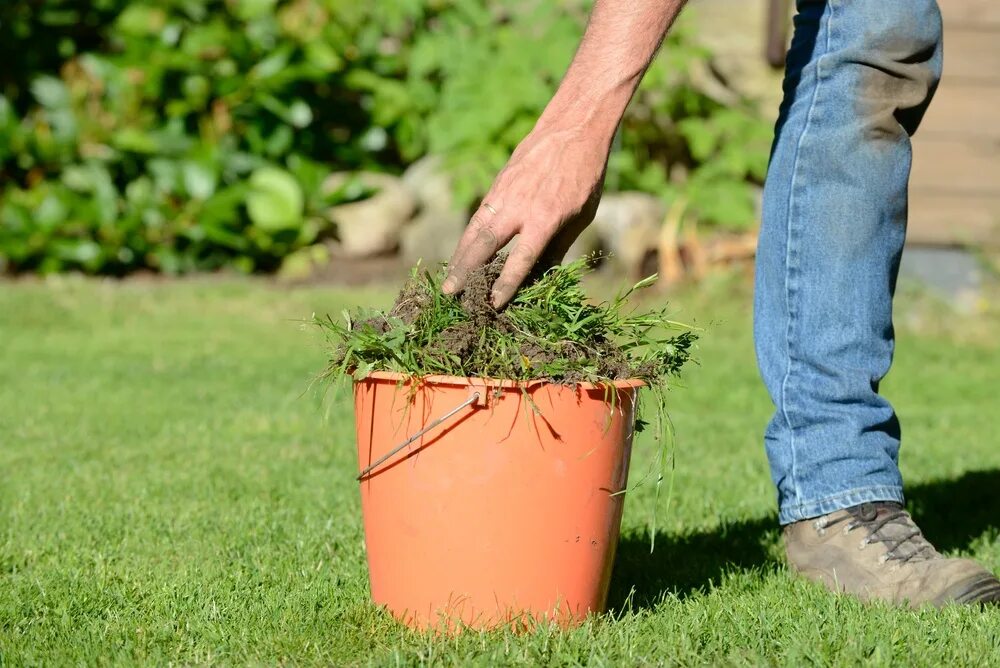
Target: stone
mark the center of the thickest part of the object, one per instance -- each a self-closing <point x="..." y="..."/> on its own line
<point x="435" y="231"/>
<point x="430" y="184"/>
<point x="628" y="225"/>
<point x="370" y="226"/>
<point x="432" y="236"/>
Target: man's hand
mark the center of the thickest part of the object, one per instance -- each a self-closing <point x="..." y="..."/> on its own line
<point x="549" y="190"/>
<point x="546" y="195"/>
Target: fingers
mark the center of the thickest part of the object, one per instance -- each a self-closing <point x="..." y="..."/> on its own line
<point x="526" y="256"/>
<point x="484" y="236"/>
<point x="519" y="264"/>
<point x="556" y="249"/>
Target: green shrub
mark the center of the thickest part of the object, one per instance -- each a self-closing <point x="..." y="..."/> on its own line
<point x="183" y="135"/>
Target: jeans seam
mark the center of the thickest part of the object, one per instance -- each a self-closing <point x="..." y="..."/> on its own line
<point x="790" y="267"/>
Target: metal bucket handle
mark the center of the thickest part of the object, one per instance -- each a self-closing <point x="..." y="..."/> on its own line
<point x="472" y="400"/>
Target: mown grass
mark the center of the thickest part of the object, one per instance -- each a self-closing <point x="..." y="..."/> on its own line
<point x="169" y="495"/>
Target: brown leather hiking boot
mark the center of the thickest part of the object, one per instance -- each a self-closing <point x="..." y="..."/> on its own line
<point x="876" y="552"/>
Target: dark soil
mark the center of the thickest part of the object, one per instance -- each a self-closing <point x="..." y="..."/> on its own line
<point x="475" y="297"/>
<point x="411" y="301"/>
<point x="459" y="340"/>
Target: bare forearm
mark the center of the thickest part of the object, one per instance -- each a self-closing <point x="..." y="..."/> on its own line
<point x="620" y="41"/>
<point x="549" y="190"/>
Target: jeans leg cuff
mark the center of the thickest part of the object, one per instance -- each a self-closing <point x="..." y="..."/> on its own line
<point x="830" y="504"/>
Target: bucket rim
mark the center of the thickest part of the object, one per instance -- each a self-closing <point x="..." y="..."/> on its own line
<point x="475" y="381"/>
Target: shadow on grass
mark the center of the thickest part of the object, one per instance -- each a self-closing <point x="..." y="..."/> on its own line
<point x="686" y="563"/>
<point x="952" y="514"/>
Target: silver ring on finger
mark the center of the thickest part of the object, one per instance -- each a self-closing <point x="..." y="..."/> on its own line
<point x="489" y="207"/>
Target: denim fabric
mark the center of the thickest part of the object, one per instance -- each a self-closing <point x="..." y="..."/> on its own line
<point x="860" y="75"/>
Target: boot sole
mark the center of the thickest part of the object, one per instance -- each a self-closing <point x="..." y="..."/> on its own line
<point x="984" y="590"/>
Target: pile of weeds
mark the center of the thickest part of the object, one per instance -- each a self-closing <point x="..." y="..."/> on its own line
<point x="549" y="331"/>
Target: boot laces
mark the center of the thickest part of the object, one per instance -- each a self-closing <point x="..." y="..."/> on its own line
<point x="888" y="523"/>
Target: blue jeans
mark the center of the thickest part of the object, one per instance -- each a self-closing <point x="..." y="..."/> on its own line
<point x="860" y="75"/>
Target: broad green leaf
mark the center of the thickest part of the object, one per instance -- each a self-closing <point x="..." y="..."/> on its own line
<point x="275" y="200"/>
<point x="135" y="140"/>
<point x="51" y="212"/>
<point x="323" y="56"/>
<point x="299" y="114"/>
<point x="50" y="92"/>
<point x="200" y="180"/>
<point x="141" y="20"/>
<point x="251" y="9"/>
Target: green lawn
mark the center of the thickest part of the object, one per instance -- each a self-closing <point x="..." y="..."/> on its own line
<point x="171" y="494"/>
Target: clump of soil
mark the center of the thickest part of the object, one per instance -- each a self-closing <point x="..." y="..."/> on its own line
<point x="459" y="340"/>
<point x="548" y="331"/>
<point x="475" y="298"/>
<point x="410" y="303"/>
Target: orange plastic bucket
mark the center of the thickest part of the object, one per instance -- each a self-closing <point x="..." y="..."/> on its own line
<point x="500" y="513"/>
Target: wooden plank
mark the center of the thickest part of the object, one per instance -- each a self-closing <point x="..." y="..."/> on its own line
<point x="963" y="109"/>
<point x="978" y="14"/>
<point x="972" y="55"/>
<point x="953" y="220"/>
<point x="969" y="166"/>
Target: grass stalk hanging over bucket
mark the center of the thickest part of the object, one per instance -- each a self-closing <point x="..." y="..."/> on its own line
<point x="494" y="445"/>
